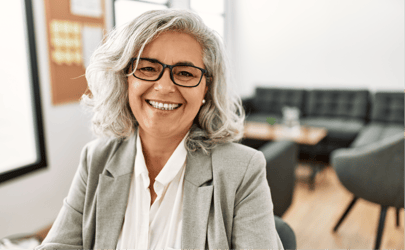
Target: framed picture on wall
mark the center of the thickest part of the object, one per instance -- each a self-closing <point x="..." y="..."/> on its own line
<point x="22" y="145"/>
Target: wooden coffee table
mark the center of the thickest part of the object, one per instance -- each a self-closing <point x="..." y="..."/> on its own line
<point x="264" y="131"/>
<point x="306" y="136"/>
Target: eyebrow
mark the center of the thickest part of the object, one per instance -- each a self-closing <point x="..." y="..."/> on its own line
<point x="182" y="63"/>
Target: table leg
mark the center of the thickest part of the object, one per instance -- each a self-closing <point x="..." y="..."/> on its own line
<point x="315" y="169"/>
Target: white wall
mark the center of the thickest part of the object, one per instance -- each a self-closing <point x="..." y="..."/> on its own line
<point x="180" y="4"/>
<point x="318" y="44"/>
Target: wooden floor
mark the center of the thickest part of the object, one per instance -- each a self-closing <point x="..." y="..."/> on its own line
<point x="313" y="214"/>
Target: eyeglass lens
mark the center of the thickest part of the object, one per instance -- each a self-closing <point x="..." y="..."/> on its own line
<point x="182" y="75"/>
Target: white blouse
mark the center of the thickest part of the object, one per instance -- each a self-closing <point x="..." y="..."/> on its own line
<point x="157" y="226"/>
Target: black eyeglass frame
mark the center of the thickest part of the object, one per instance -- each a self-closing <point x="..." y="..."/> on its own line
<point x="203" y="71"/>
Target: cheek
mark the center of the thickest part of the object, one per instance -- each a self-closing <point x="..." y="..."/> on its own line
<point x="134" y="95"/>
<point x="133" y="85"/>
<point x="135" y="89"/>
<point x="195" y="100"/>
<point x="131" y="93"/>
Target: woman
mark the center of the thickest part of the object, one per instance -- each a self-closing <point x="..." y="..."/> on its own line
<point x="170" y="175"/>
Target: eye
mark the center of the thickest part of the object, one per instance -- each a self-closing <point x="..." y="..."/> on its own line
<point x="185" y="74"/>
<point x="148" y="69"/>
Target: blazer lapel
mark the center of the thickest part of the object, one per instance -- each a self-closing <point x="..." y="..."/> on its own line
<point x="196" y="200"/>
<point x="112" y="195"/>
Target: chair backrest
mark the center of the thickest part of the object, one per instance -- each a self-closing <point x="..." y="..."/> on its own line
<point x="281" y="161"/>
<point x="374" y="172"/>
<point x="287" y="235"/>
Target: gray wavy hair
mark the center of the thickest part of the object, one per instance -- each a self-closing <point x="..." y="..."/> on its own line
<point x="219" y="120"/>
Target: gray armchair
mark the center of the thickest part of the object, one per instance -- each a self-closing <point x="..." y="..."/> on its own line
<point x="281" y="161"/>
<point x="374" y="172"/>
<point x="287" y="235"/>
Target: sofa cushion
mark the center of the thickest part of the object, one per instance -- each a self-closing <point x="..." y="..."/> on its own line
<point x="338" y="128"/>
<point x="337" y="103"/>
<point x="388" y="107"/>
<point x="272" y="100"/>
<point x="376" y="131"/>
<point x="262" y="117"/>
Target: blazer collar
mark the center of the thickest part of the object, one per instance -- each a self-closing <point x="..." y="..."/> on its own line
<point x="123" y="160"/>
<point x="198" y="167"/>
<point x="113" y="191"/>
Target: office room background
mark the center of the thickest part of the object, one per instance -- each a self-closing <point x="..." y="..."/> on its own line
<point x="344" y="44"/>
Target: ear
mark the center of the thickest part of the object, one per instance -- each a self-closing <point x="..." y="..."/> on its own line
<point x="206" y="90"/>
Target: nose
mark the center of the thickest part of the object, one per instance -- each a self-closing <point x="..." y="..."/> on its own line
<point x="165" y="85"/>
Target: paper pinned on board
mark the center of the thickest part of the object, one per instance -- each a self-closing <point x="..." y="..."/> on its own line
<point x="91" y="39"/>
<point x="89" y="8"/>
<point x="65" y="41"/>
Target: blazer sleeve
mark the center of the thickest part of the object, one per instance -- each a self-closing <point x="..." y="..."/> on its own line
<point x="66" y="231"/>
<point x="253" y="222"/>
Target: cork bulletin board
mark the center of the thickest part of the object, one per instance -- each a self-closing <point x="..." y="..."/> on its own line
<point x="71" y="26"/>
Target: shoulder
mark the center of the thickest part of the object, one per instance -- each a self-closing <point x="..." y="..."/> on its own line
<point x="100" y="150"/>
<point x="101" y="146"/>
<point x="237" y="158"/>
<point x="235" y="152"/>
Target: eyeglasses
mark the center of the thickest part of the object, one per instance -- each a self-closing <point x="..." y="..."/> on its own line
<point x="181" y="74"/>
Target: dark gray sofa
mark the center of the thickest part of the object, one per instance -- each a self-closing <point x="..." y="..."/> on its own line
<point x="343" y="113"/>
<point x="268" y="102"/>
<point x="352" y="117"/>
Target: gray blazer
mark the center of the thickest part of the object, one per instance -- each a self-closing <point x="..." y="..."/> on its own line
<point x="226" y="205"/>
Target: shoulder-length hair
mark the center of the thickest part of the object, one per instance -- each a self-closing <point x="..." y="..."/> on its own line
<point x="219" y="120"/>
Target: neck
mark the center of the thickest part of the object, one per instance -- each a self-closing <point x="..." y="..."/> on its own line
<point x="157" y="150"/>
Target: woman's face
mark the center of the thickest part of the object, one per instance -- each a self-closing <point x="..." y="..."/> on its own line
<point x="168" y="48"/>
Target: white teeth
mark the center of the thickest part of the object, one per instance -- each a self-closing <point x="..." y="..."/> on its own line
<point x="163" y="106"/>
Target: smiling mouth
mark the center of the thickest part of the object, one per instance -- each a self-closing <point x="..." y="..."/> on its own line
<point x="165" y="107"/>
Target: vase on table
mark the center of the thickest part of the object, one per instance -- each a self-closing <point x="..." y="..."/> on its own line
<point x="291" y="122"/>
